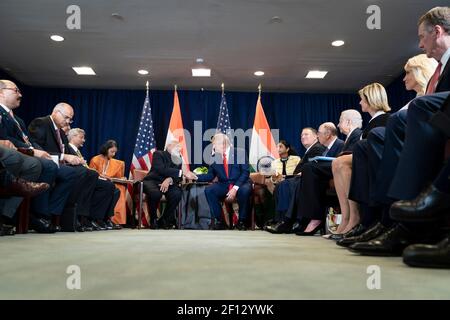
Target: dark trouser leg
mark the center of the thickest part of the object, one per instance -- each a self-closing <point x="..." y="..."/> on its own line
<point x="112" y="204"/>
<point x="315" y="179"/>
<point x="215" y="193"/>
<point x="173" y="197"/>
<point x="101" y="199"/>
<point x="40" y="204"/>
<point x="423" y="151"/>
<point x="65" y="182"/>
<point x="154" y="195"/>
<point x="83" y="190"/>
<point x="243" y="198"/>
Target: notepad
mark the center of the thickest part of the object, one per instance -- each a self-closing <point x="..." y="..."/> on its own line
<point x="320" y="158"/>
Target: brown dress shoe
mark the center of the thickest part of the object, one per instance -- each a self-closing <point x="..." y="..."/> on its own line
<point x="20" y="187"/>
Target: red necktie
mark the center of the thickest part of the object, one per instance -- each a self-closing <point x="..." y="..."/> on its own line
<point x="225" y="167"/>
<point x="434" y="80"/>
<point x="225" y="164"/>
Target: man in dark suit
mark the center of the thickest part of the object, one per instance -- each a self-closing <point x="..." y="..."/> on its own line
<point x="164" y="179"/>
<point x="46" y="131"/>
<point x="230" y="167"/>
<point x="285" y="190"/>
<point x="105" y="194"/>
<point x="315" y="178"/>
<point x="48" y="204"/>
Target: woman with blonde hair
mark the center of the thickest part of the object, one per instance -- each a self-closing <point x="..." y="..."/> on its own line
<point x="418" y="71"/>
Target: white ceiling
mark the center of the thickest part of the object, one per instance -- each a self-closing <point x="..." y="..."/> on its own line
<point x="234" y="37"/>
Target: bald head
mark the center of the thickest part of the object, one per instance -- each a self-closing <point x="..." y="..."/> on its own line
<point x="10" y="95"/>
<point x="62" y="114"/>
<point x="327" y="133"/>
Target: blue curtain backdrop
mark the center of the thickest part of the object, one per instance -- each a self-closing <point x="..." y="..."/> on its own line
<point x="115" y="114"/>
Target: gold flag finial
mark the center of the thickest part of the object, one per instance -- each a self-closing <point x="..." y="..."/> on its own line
<point x="223" y="88"/>
<point x="259" y="89"/>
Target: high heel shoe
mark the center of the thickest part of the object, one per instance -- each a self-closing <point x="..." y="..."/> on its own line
<point x="320" y="228"/>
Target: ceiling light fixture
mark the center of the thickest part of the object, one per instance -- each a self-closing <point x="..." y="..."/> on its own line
<point x="56" y="38"/>
<point x="200" y="70"/>
<point x="338" y="43"/>
<point x="315" y="74"/>
<point x="143" y="72"/>
<point x="84" y="71"/>
<point x="259" y="73"/>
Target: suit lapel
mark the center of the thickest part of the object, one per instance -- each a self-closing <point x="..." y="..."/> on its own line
<point x="52" y="130"/>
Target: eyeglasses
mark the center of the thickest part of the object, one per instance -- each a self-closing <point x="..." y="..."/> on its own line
<point x="66" y="117"/>
<point x="13" y="89"/>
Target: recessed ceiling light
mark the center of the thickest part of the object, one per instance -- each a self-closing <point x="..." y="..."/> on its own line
<point x="201" y="72"/>
<point x="337" y="43"/>
<point x="276" y="19"/>
<point x="199" y="60"/>
<point x="85" y="71"/>
<point x="315" y="74"/>
<point x="143" y="72"/>
<point x="259" y="73"/>
<point x="56" y="38"/>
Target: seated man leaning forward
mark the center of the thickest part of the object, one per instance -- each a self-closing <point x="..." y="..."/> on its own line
<point x="230" y="166"/>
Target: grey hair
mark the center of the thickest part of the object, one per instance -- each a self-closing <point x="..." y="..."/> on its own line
<point x="354" y="116"/>
<point x="74" y="132"/>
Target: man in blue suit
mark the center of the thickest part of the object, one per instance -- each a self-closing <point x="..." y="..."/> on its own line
<point x="230" y="167"/>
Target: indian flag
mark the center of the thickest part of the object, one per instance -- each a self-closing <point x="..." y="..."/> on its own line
<point x="262" y="142"/>
<point x="176" y="130"/>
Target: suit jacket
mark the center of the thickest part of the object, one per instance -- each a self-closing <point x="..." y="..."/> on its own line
<point x="441" y="119"/>
<point x="238" y="169"/>
<point x="11" y="132"/>
<point x="379" y="121"/>
<point x="337" y="147"/>
<point x="163" y="167"/>
<point x="316" y="150"/>
<point x="43" y="133"/>
<point x="353" y="138"/>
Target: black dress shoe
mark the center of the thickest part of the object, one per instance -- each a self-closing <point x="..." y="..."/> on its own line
<point x="280" y="227"/>
<point x="79" y="227"/>
<point x="369" y="234"/>
<point x="87" y="225"/>
<point x="41" y="225"/>
<point x="218" y="225"/>
<point x="97" y="227"/>
<point x="7" y="230"/>
<point x="109" y="225"/>
<point x="390" y="243"/>
<point x="241" y="226"/>
<point x="429" y="205"/>
<point x="428" y="256"/>
<point x="355" y="231"/>
<point x="298" y="227"/>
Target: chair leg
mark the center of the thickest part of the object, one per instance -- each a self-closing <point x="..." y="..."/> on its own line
<point x="141" y="196"/>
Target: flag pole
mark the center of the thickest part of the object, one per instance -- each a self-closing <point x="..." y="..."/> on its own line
<point x="175" y="87"/>
<point x="259" y="90"/>
<point x="146" y="86"/>
<point x="223" y="89"/>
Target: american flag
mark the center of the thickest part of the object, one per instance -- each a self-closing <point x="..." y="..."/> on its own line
<point x="223" y="121"/>
<point x="143" y="150"/>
